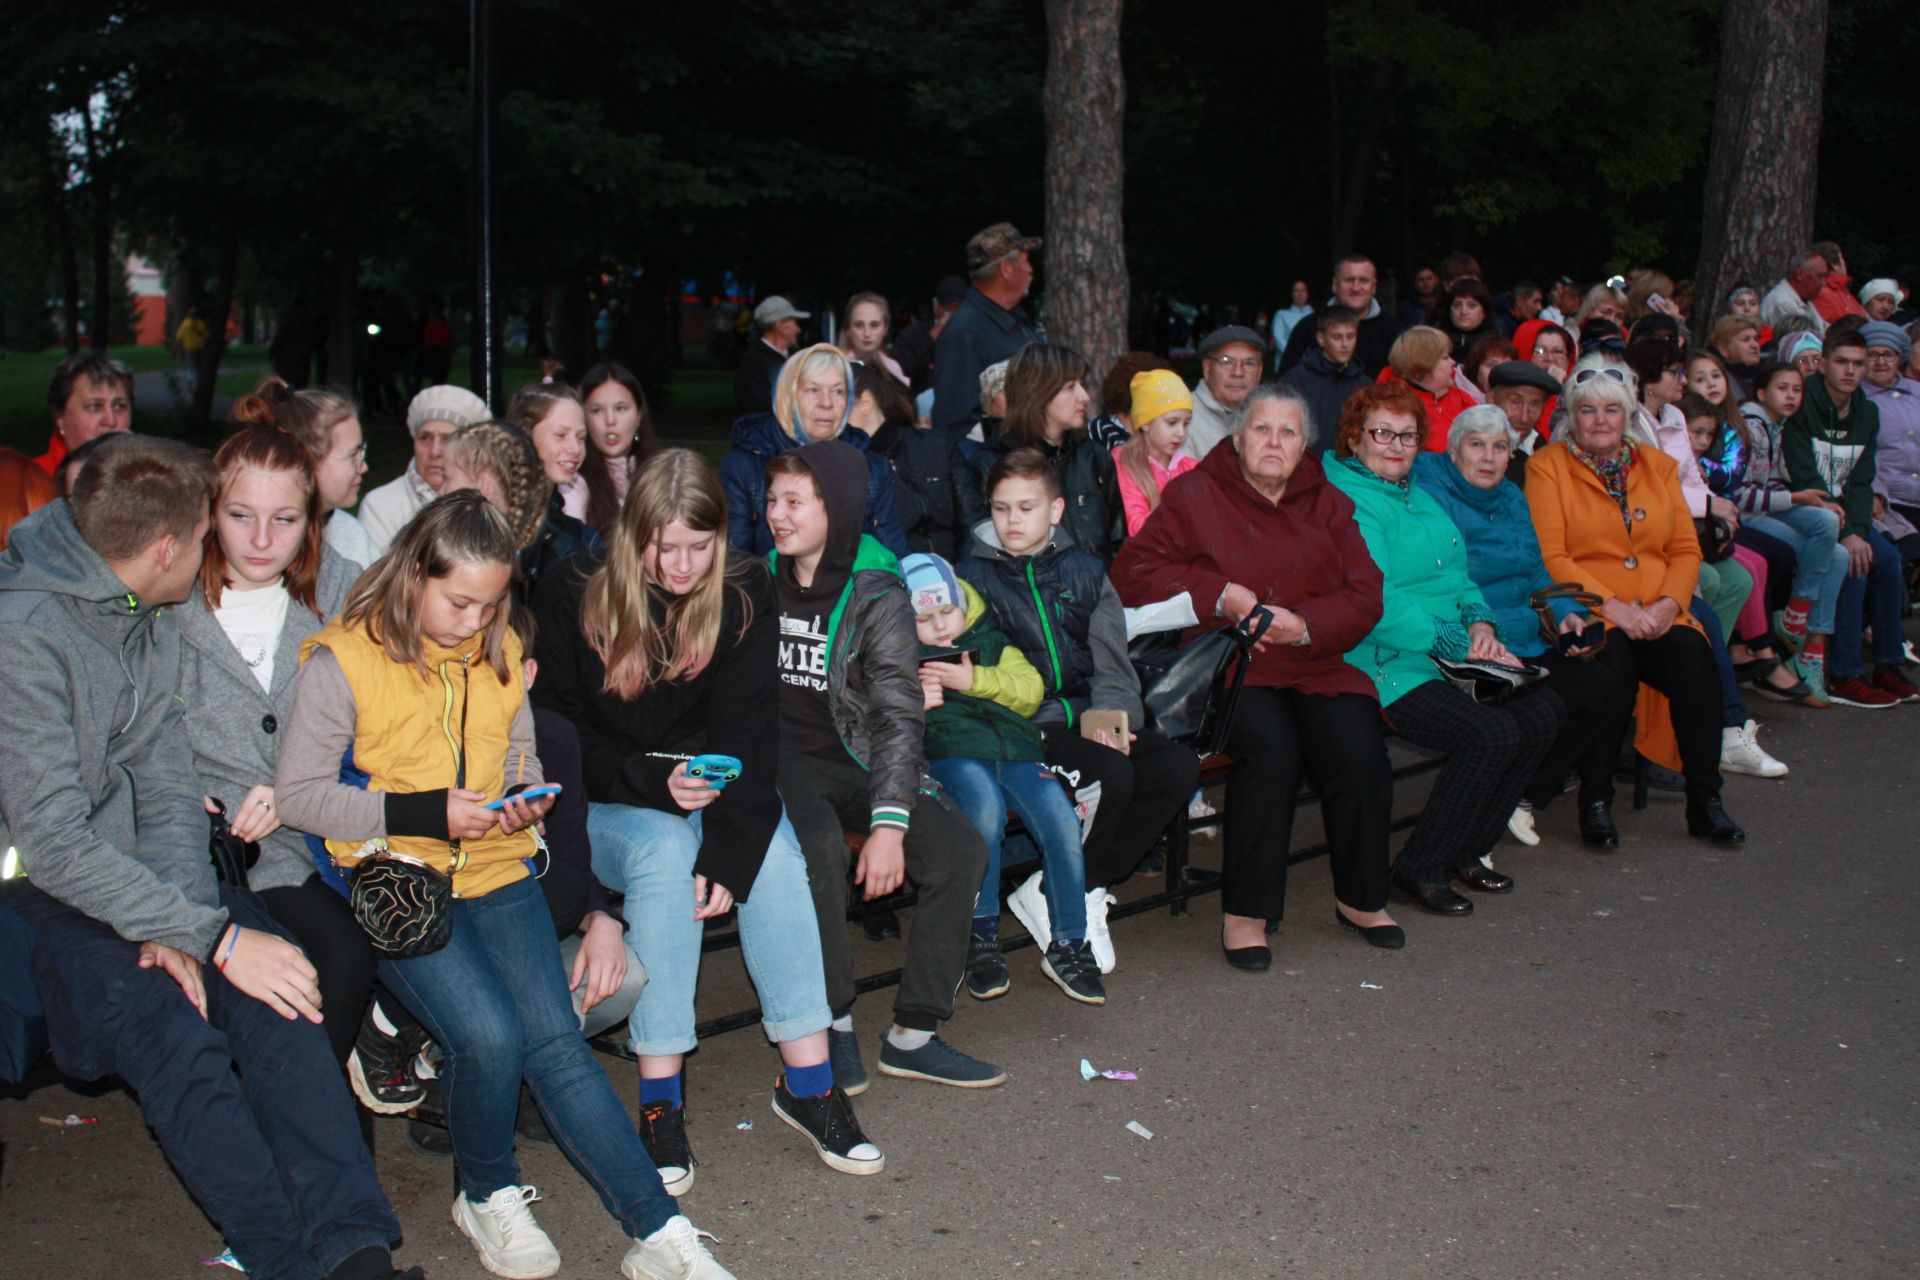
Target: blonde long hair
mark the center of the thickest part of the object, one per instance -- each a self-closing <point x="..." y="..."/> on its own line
<point x="504" y="451"/>
<point x="454" y="529"/>
<point x="643" y="637"/>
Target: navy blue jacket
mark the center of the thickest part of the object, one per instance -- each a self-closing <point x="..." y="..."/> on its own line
<point x="982" y="332"/>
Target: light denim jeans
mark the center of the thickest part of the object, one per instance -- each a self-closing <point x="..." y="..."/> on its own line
<point x="985" y="790"/>
<point x="648" y="855"/>
<point x="1819" y="561"/>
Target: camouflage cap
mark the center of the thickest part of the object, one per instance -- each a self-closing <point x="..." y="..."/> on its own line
<point x="995" y="243"/>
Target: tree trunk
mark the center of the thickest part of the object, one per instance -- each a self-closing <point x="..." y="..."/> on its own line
<point x="342" y="313"/>
<point x="1762" y="165"/>
<point x="209" y="357"/>
<point x="1085" y="100"/>
<point x="69" y="284"/>
<point x="100" y="317"/>
<point x="1359" y="170"/>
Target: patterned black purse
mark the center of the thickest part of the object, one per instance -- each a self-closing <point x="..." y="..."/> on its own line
<point x="404" y="906"/>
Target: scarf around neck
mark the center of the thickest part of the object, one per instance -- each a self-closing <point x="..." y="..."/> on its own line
<point x="1613" y="474"/>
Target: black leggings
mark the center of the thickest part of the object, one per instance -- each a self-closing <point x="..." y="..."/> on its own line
<point x="322" y="923"/>
<point x="1681" y="665"/>
<point x="1598" y="694"/>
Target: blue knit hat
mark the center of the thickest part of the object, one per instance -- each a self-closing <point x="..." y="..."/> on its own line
<point x="931" y="583"/>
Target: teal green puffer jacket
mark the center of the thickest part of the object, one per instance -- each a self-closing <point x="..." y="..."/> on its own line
<point x="1427" y="599"/>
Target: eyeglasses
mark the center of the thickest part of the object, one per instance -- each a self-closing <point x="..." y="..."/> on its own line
<point x="1882" y="356"/>
<point x="356" y="454"/>
<point x="1386" y="435"/>
<point x="1230" y="363"/>
<point x="1543" y="349"/>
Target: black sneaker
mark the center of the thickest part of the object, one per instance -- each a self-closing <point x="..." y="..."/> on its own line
<point x="381" y="1067"/>
<point x="663" y="1127"/>
<point x="830" y="1126"/>
<point x="987" y="975"/>
<point x="940" y="1062"/>
<point x="1072" y="967"/>
<point x="843" y="1051"/>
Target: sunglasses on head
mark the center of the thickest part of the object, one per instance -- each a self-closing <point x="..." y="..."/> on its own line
<point x="1588" y="375"/>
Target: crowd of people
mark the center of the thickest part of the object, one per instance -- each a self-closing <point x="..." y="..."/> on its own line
<point x="487" y="747"/>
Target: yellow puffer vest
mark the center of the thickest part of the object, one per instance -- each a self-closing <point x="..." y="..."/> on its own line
<point x="409" y="729"/>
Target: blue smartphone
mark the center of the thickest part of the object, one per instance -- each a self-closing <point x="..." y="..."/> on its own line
<point x="716" y="769"/>
<point x="529" y="795"/>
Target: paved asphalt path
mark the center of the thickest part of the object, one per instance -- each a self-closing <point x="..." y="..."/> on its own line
<point x="1671" y="1062"/>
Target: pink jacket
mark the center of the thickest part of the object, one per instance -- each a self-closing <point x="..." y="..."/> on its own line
<point x="1134" y="499"/>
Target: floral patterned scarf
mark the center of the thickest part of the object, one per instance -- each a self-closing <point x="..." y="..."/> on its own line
<point x="1613" y="475"/>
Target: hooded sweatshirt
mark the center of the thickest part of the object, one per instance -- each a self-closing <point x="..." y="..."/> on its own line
<point x="1834" y="454"/>
<point x="850" y="687"/>
<point x="97" y="789"/>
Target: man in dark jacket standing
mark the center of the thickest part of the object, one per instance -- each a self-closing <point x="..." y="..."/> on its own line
<point x="149" y="968"/>
<point x="778" y="324"/>
<point x="1355" y="282"/>
<point x="989" y="326"/>
<point x="852" y="716"/>
<point x="913" y="347"/>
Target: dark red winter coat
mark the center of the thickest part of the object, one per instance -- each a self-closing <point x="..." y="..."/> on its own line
<point x="1305" y="553"/>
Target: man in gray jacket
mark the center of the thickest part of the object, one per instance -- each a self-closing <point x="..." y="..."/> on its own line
<point x="149" y="968"/>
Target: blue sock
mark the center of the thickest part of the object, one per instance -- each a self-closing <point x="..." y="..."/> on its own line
<point x="987" y="927"/>
<point x="662" y="1089"/>
<point x="810" y="1082"/>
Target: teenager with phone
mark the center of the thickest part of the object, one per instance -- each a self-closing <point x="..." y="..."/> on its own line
<point x="1055" y="602"/>
<point x="661" y="652"/>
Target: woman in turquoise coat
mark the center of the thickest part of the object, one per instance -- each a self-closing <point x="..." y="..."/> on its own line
<point x="1431" y="608"/>
<point x="1503" y="559"/>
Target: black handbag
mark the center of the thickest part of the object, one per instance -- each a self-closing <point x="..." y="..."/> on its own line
<point x="1541" y="602"/>
<point x="232" y="856"/>
<point x="1193" y="698"/>
<point x="1716" y="538"/>
<point x="404" y="906"/>
<point x="1485" y="681"/>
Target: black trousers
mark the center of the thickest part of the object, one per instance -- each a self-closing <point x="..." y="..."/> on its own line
<point x="1139" y="794"/>
<point x="322" y="923"/>
<point x="1598" y="694"/>
<point x="945" y="862"/>
<point x="1494" y="750"/>
<point x="1340" y="744"/>
<point x="1681" y="665"/>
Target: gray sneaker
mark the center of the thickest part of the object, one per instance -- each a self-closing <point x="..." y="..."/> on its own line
<point x="940" y="1062"/>
<point x="843" y="1051"/>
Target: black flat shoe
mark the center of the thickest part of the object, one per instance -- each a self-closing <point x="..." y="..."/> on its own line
<point x="1755" y="670"/>
<point x="1273" y="927"/>
<point x="1388" y="937"/>
<point x="1483" y="879"/>
<point x="881" y="926"/>
<point x="1252" y="959"/>
<point x="1707" y="820"/>
<point x="1436" y="898"/>
<point x="1596" y="826"/>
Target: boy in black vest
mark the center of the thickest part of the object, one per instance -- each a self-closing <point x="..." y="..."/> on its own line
<point x="1055" y="603"/>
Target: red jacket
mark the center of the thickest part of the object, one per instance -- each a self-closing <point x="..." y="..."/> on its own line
<point x="1835" y="301"/>
<point x="1305" y="553"/>
<point x="1441" y="409"/>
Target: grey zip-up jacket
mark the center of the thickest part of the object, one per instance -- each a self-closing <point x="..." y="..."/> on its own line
<point x="236" y="727"/>
<point x="97" y="789"/>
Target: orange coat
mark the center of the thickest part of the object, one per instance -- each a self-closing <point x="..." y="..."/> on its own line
<point x="1583" y="540"/>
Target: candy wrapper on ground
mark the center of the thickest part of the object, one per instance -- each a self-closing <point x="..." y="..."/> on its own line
<point x="1089" y="1072"/>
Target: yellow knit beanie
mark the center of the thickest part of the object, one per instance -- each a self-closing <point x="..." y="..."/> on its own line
<point x="1155" y="392"/>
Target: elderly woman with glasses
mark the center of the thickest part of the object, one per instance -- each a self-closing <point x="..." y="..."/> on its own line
<point x="1610" y="516"/>
<point x="1430" y="608"/>
<point x="1470" y="483"/>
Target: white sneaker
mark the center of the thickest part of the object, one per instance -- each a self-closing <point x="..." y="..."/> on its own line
<point x="1520" y="825"/>
<point x="1029" y="906"/>
<point x="510" y="1243"/>
<point x="1740" y="752"/>
<point x="1098" y="900"/>
<point x="674" y="1252"/>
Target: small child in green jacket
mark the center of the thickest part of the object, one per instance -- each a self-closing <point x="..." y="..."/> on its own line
<point x="987" y="754"/>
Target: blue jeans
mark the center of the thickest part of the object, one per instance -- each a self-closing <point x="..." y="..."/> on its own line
<point x="1733" y="712"/>
<point x="1873" y="597"/>
<point x="648" y="855"/>
<point x="495" y="1000"/>
<point x="985" y="790"/>
<point x="1819" y="562"/>
<point x="276" y="1159"/>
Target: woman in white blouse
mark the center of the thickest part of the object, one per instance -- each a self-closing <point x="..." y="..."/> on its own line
<point x="267" y="582"/>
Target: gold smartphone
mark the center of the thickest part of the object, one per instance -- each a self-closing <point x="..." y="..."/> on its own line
<point x="1113" y="724"/>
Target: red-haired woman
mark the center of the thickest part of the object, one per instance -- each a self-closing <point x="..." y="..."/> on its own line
<point x="24" y="489"/>
<point x="267" y="582"/>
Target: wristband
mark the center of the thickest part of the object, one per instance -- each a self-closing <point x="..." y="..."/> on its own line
<point x="232" y="938"/>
